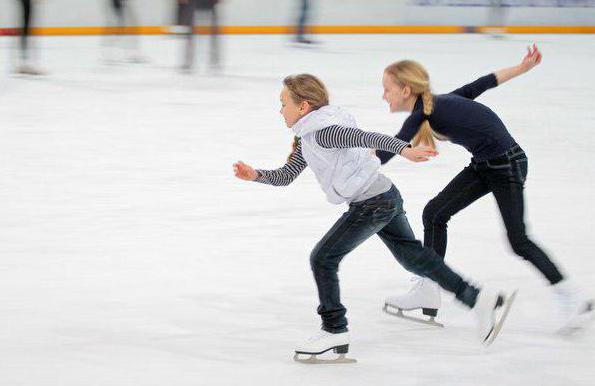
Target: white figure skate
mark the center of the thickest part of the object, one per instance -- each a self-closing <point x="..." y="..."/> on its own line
<point x="574" y="309"/>
<point x="491" y="310"/>
<point x="322" y="342"/>
<point x="424" y="295"/>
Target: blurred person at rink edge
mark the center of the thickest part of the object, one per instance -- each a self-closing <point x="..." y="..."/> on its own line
<point x="304" y="15"/>
<point x="497" y="11"/>
<point x="25" y="58"/>
<point x="121" y="42"/>
<point x="187" y="10"/>
<point x="328" y="135"/>
<point x="498" y="166"/>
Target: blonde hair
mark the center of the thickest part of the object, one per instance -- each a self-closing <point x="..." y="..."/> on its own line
<point x="306" y="88"/>
<point x="411" y="73"/>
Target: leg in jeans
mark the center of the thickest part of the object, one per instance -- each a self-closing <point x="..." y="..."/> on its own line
<point x="361" y="221"/>
<point x="118" y="8"/>
<point x="301" y="29"/>
<point x="26" y="28"/>
<point x="423" y="261"/>
<point x="507" y="183"/>
<point x="215" y="58"/>
<point x="464" y="189"/>
<point x="188" y="14"/>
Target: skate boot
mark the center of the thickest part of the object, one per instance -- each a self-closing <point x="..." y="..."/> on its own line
<point x="424" y="295"/>
<point x="322" y="342"/>
<point x="491" y="310"/>
<point x="574" y="309"/>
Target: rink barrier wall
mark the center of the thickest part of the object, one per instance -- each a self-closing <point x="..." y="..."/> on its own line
<point x="330" y="29"/>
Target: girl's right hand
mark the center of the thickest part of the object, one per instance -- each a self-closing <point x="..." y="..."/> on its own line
<point x="419" y="153"/>
<point x="244" y="171"/>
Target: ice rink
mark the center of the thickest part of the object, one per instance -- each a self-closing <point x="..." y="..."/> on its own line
<point x="131" y="255"/>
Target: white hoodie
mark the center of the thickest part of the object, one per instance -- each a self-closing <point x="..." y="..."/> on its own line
<point x="343" y="174"/>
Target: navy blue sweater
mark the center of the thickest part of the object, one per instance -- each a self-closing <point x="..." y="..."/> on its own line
<point x="463" y="121"/>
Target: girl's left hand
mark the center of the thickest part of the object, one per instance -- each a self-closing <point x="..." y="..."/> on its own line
<point x="532" y="59"/>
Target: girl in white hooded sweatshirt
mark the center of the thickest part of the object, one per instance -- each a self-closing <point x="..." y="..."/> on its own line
<point x="327" y="139"/>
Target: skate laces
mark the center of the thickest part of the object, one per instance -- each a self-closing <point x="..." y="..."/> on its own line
<point x="321" y="334"/>
<point x="419" y="282"/>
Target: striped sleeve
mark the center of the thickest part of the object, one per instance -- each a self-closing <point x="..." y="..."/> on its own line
<point x="347" y="137"/>
<point x="286" y="174"/>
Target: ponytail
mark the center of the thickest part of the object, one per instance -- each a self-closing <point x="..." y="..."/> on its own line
<point x="425" y="134"/>
<point x="294" y="145"/>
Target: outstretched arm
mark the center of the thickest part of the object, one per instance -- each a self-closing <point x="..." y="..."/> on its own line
<point x="348" y="137"/>
<point x="278" y="177"/>
<point x="478" y="87"/>
<point x="532" y="59"/>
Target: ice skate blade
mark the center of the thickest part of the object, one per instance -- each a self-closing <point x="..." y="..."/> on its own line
<point x="25" y="71"/>
<point x="500" y="322"/>
<point x="314" y="360"/>
<point x="399" y="314"/>
<point x="567" y="332"/>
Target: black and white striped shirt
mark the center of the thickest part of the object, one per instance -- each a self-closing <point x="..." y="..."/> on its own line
<point x="338" y="137"/>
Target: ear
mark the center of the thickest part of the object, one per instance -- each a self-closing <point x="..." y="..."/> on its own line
<point x="305" y="107"/>
<point x="406" y="91"/>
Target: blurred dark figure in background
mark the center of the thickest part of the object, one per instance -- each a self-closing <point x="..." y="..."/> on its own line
<point x="25" y="65"/>
<point x="121" y="42"/>
<point x="497" y="19"/>
<point x="303" y="17"/>
<point x="186" y="14"/>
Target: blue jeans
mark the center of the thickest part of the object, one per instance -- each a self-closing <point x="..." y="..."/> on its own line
<point x="301" y="27"/>
<point x="504" y="176"/>
<point x="382" y="215"/>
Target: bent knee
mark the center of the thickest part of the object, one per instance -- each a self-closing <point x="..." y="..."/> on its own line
<point x="321" y="259"/>
<point x="521" y="246"/>
<point x="432" y="214"/>
<point x="318" y="258"/>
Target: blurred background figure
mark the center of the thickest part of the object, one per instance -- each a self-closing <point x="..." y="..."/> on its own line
<point x="497" y="19"/>
<point x="206" y="9"/>
<point x="122" y="42"/>
<point x="25" y="60"/>
<point x="302" y="22"/>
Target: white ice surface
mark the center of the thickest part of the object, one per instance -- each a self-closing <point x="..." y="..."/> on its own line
<point x="130" y="254"/>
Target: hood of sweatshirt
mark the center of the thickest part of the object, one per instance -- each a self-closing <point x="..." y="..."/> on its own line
<point x="323" y="117"/>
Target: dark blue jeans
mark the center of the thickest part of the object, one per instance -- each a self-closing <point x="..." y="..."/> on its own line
<point x="382" y="215"/>
<point x="505" y="177"/>
<point x="302" y="18"/>
<point x="26" y="27"/>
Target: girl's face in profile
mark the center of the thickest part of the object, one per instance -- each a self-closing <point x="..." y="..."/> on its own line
<point x="291" y="111"/>
<point x="394" y="94"/>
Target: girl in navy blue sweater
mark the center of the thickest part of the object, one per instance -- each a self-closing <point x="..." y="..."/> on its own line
<point x="498" y="166"/>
